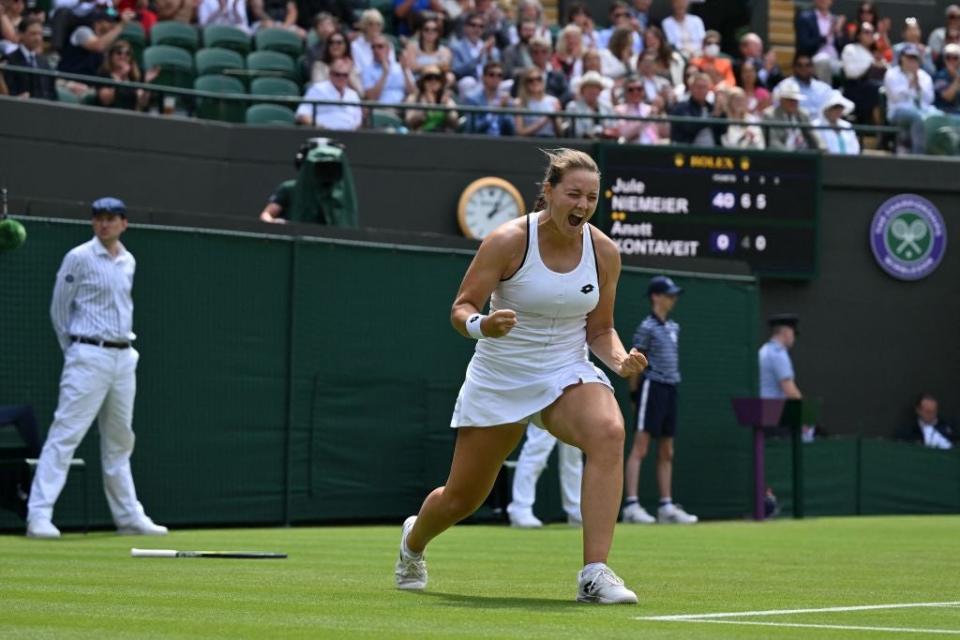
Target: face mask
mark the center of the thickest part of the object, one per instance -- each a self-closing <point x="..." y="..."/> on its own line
<point x="712" y="50"/>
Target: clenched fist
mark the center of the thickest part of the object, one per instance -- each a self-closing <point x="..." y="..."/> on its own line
<point x="633" y="364"/>
<point x="499" y="323"/>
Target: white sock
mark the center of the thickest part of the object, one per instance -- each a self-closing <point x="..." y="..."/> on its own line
<point x="593" y="566"/>
<point x="406" y="550"/>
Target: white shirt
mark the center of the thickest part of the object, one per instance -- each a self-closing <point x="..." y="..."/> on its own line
<point x="840" y="139"/>
<point x="331" y="116"/>
<point x="815" y="94"/>
<point x="92" y="295"/>
<point x="233" y="15"/>
<point x="933" y="438"/>
<point x="685" y="36"/>
<point x="901" y="95"/>
<point x="857" y="60"/>
<point x="825" y="22"/>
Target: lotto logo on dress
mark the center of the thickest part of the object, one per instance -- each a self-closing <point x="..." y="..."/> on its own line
<point x="908" y="237"/>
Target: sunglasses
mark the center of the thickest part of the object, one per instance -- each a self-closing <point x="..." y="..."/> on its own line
<point x="339" y="74"/>
<point x="621" y="14"/>
<point x="534" y="79"/>
<point x="634" y="89"/>
<point x="951" y="57"/>
<point x="475" y="25"/>
<point x="430" y="29"/>
<point x="432" y="76"/>
<point x="379" y="46"/>
<point x="493" y="74"/>
<point x="121" y="52"/>
<point x="337" y="41"/>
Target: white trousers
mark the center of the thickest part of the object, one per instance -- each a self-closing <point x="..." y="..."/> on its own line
<point x="96" y="383"/>
<point x="531" y="463"/>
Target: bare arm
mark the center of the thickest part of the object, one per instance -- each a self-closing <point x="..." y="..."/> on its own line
<point x="500" y="254"/>
<point x="272" y="213"/>
<point x="602" y="336"/>
<point x="790" y="389"/>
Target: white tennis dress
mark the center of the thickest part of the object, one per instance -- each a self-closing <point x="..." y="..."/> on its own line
<point x="511" y="379"/>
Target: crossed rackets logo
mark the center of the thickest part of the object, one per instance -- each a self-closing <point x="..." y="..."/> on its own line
<point x="910" y="236"/>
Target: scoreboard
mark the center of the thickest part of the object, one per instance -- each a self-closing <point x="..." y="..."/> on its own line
<point x="758" y="207"/>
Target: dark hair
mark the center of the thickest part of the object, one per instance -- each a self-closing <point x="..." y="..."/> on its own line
<point x="423" y="23"/>
<point x="873" y="10"/>
<point x="617" y="4"/>
<point x="798" y="55"/>
<point x="563" y="160"/>
<point x="621" y="40"/>
<point x="664" y="51"/>
<point x="493" y="64"/>
<point x="752" y="63"/>
<point x="326" y="58"/>
<point x="923" y="396"/>
<point x="576" y="9"/>
<point x="422" y="86"/>
<point x="28" y="22"/>
<point x="118" y="44"/>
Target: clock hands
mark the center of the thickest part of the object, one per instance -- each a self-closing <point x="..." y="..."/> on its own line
<point x="496" y="207"/>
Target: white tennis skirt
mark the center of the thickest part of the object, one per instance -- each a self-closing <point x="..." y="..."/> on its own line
<point x="490" y="398"/>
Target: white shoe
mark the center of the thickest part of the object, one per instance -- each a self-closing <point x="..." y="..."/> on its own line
<point x="574" y="521"/>
<point x="674" y="514"/>
<point x="410" y="572"/>
<point x="524" y="519"/>
<point x="602" y="586"/>
<point x="635" y="514"/>
<point x="142" y="527"/>
<point x="43" y="529"/>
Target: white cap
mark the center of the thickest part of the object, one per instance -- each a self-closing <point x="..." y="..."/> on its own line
<point x="836" y="99"/>
<point x="790" y="90"/>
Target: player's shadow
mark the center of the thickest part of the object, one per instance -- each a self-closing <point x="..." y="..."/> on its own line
<point x="494" y="602"/>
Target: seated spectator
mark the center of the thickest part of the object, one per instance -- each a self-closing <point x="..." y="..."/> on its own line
<point x="530" y="11"/>
<point x="495" y="23"/>
<point x="588" y="103"/>
<point x="765" y="64"/>
<point x="819" y="33"/>
<point x="640" y="13"/>
<point x="11" y="15"/>
<point x="336" y="47"/>
<point x="231" y="13"/>
<point x="471" y="52"/>
<point x="346" y="116"/>
<point x="884" y="42"/>
<point x="361" y="49"/>
<point x="669" y="63"/>
<point x="913" y="37"/>
<point x="592" y="62"/>
<point x="119" y="65"/>
<point x="568" y="58"/>
<point x="684" y="32"/>
<point x="407" y="13"/>
<point x="276" y="14"/>
<point x="556" y="83"/>
<point x="426" y="50"/>
<point x="324" y="26"/>
<point x="840" y="138"/>
<point x="937" y="39"/>
<point x="176" y="10"/>
<point x="342" y="10"/>
<point x="909" y="99"/>
<point x="758" y="98"/>
<point x="788" y="110"/>
<point x="814" y="91"/>
<point x="490" y="94"/>
<point x="946" y="84"/>
<point x="279" y="203"/>
<point x="711" y="63"/>
<point x="699" y="106"/>
<point x="388" y="80"/>
<point x="741" y="136"/>
<point x="654" y="86"/>
<point x="83" y="52"/>
<point x="618" y="59"/>
<point x="864" y="68"/>
<point x="637" y="102"/>
<point x="517" y="56"/>
<point x="431" y="89"/>
<point x="929" y="429"/>
<point x="29" y="53"/>
<point x="866" y="12"/>
<point x="620" y="18"/>
<point x="579" y="14"/>
<point x="532" y="96"/>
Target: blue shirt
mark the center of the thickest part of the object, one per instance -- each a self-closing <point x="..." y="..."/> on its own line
<point x="775" y="367"/>
<point x="659" y="341"/>
<point x="394" y="89"/>
<point x="941" y="80"/>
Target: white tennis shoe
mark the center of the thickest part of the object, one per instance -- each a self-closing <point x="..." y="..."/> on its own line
<point x="601" y="585"/>
<point x="410" y="572"/>
<point x="42" y="529"/>
<point x="635" y="514"/>
<point x="524" y="519"/>
<point x="674" y="514"/>
<point x="142" y="527"/>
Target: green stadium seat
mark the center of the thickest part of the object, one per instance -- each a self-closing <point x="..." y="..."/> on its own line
<point x="175" y="64"/>
<point x="270" y="114"/>
<point x="223" y="110"/>
<point x="175" y="34"/>
<point x="226" y="37"/>
<point x="274" y="87"/>
<point x="271" y="63"/>
<point x="385" y="119"/>
<point x="279" y="40"/>
<point x="67" y="97"/>
<point x="942" y="135"/>
<point x="312" y="38"/>
<point x="214" y="60"/>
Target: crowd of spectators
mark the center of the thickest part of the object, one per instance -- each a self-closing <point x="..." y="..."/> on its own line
<point x="451" y="53"/>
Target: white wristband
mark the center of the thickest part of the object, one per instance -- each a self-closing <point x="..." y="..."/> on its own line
<point x="473" y="326"/>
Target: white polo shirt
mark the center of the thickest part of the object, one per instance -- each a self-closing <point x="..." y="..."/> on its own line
<point x="330" y="116"/>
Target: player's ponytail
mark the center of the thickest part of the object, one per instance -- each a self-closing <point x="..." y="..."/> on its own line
<point x="563" y="160"/>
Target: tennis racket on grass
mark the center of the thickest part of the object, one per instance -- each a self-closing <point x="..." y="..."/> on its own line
<point x="236" y="555"/>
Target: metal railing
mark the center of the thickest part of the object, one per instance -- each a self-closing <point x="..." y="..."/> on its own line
<point x="188" y="99"/>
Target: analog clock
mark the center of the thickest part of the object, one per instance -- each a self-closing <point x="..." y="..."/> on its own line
<point x="486" y="204"/>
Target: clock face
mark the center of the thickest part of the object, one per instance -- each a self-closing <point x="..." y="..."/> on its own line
<point x="487" y="208"/>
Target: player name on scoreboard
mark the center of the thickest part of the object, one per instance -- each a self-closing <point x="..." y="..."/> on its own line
<point x="757" y="207"/>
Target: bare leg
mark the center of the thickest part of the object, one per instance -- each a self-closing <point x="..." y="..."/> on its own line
<point x="665" y="466"/>
<point x="477" y="458"/>
<point x="641" y="443"/>
<point x="587" y="417"/>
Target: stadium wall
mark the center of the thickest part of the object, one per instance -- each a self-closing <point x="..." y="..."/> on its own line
<point x="287" y="380"/>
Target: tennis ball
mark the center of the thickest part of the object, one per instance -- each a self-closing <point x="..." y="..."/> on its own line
<point x="12" y="234"/>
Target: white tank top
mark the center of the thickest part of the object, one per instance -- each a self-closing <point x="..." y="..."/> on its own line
<point x="551" y="307"/>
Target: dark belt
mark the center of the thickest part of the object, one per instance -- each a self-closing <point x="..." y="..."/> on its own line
<point x="100" y="343"/>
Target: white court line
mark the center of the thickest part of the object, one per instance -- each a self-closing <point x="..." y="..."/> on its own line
<point x="843" y="627"/>
<point x="784" y="612"/>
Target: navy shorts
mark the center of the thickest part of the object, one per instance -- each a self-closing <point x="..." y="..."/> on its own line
<point x="657" y="408"/>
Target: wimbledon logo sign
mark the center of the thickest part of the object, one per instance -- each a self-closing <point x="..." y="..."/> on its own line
<point x="908" y="237"/>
